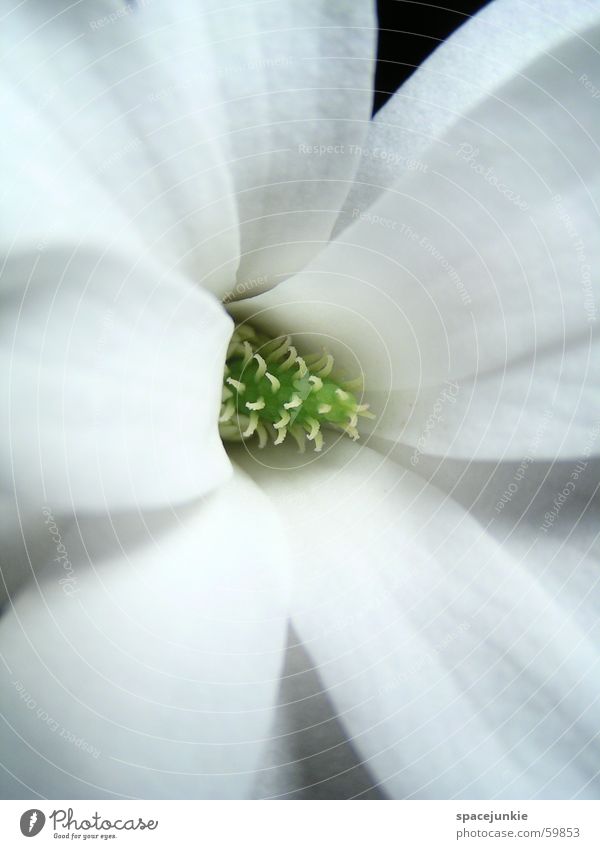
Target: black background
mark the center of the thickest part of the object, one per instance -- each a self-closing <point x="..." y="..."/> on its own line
<point x="409" y="30"/>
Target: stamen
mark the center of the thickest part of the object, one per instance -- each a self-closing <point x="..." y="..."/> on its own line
<point x="295" y="402"/>
<point x="300" y="437"/>
<point x="280" y="436"/>
<point x="364" y="411"/>
<point x="274" y="355"/>
<point x="275" y="384"/>
<point x="319" y="363"/>
<point x="233" y="348"/>
<point x="252" y="425"/>
<point x="285" y="417"/>
<point x="271" y="430"/>
<point x="245" y="331"/>
<point x="230" y="432"/>
<point x="292" y="394"/>
<point x="248" y="354"/>
<point x="228" y="411"/>
<point x="240" y="420"/>
<point x="302" y="368"/>
<point x="312" y="427"/>
<point x="327" y="368"/>
<point x="312" y="359"/>
<point x="237" y="384"/>
<point x="291" y="359"/>
<point x="263" y="436"/>
<point x="262" y="367"/>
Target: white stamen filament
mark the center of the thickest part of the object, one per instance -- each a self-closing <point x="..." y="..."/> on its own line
<point x="228" y="411"/>
<point x="283" y="421"/>
<point x="295" y="402"/>
<point x="327" y="368"/>
<point x="275" y="383"/>
<point x="313" y="428"/>
<point x="237" y="384"/>
<point x="280" y="436"/>
<point x="261" y="369"/>
<point x="290" y="360"/>
<point x="252" y="425"/>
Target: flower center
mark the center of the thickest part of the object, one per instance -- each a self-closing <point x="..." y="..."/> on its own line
<point x="269" y="390"/>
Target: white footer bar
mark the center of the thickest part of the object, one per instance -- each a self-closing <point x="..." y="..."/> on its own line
<point x="302" y="825"/>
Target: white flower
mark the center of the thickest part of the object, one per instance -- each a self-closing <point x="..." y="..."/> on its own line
<point x="442" y="571"/>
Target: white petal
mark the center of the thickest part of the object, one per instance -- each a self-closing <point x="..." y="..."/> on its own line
<point x="104" y="135"/>
<point x="456" y="671"/>
<point x="309" y="755"/>
<point x="543" y="514"/>
<point x="112" y="372"/>
<point x="148" y="666"/>
<point x="446" y="277"/>
<point x="486" y="51"/>
<point x="547" y="409"/>
<point x="296" y="85"/>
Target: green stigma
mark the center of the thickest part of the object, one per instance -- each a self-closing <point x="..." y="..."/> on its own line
<point x="270" y="391"/>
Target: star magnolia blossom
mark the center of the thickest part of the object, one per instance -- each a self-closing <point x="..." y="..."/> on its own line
<point x="173" y="166"/>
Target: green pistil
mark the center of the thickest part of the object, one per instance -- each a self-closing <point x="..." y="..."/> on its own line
<point x="270" y="391"/>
